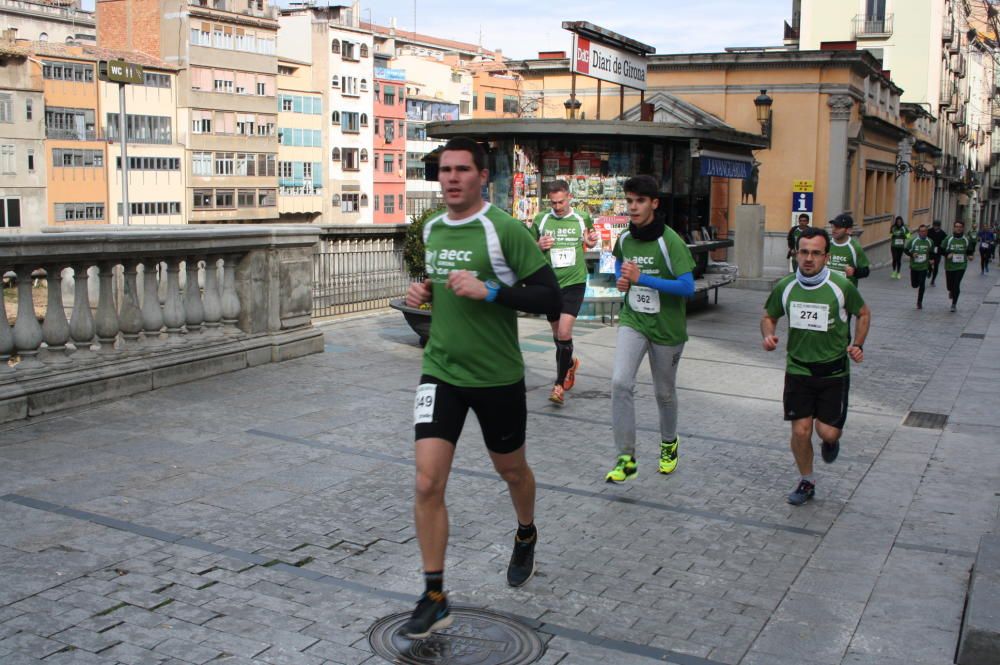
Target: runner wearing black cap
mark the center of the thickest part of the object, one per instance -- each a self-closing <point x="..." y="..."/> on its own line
<point x="937" y="237"/>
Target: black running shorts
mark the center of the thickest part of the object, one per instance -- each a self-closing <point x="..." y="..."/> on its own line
<point x="440" y="409"/>
<point x="572" y="301"/>
<point x="822" y="398"/>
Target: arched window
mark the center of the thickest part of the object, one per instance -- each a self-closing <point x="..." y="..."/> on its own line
<point x="364" y="119"/>
<point x="335" y="46"/>
<point x="364" y="50"/>
<point x="335" y="154"/>
<point x="364" y="155"/>
<point x="335" y="81"/>
<point x="335" y="117"/>
<point x="364" y="85"/>
<point x="364" y="200"/>
<point x="336" y="200"/>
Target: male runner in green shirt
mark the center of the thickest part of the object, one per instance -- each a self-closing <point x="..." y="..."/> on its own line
<point x="562" y="234"/>
<point x="846" y="254"/>
<point x="956" y="249"/>
<point x="920" y="249"/>
<point x="653" y="266"/>
<point x="793" y="238"/>
<point x="481" y="267"/>
<point x="817" y="301"/>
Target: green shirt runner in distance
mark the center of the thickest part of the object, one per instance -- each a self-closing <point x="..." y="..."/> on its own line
<point x="957" y="252"/>
<point x="848" y="254"/>
<point x="660" y="317"/>
<point x="899" y="234"/>
<point x="473" y="343"/>
<point x="920" y="251"/>
<point x="566" y="254"/>
<point x="817" y="319"/>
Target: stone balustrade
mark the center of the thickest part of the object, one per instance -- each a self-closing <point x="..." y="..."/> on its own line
<point x="132" y="310"/>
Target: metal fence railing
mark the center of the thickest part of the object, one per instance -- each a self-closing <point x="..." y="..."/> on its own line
<point x="358" y="268"/>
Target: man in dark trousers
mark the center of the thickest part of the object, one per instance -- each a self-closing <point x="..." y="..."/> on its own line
<point x="937" y="237"/>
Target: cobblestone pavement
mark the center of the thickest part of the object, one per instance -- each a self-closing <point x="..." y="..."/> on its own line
<point x="265" y="516"/>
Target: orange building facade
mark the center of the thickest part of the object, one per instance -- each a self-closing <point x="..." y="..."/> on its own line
<point x="389" y="151"/>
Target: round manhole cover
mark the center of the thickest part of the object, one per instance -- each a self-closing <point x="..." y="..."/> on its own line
<point x="476" y="637"/>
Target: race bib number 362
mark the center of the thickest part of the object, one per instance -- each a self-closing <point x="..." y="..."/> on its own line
<point x="423" y="404"/>
<point x="809" y="316"/>
<point x="644" y="300"/>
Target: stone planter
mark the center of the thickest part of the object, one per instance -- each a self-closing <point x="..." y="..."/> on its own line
<point x="418" y="319"/>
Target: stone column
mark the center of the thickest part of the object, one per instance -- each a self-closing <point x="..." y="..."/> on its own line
<point x="903" y="182"/>
<point x="840" y="116"/>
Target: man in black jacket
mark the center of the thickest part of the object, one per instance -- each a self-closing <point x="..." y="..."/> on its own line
<point x="937" y="237"/>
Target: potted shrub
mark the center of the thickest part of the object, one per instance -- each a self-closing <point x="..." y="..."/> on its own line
<point x="419" y="319"/>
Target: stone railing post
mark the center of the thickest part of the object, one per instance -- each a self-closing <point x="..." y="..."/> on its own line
<point x="81" y="322"/>
<point x="27" y="331"/>
<point x="212" y="300"/>
<point x="55" y="328"/>
<point x="107" y="314"/>
<point x="152" y="315"/>
<point x="173" y="310"/>
<point x="6" y="341"/>
<point x="129" y="315"/>
<point x="194" y="311"/>
<point x="230" y="301"/>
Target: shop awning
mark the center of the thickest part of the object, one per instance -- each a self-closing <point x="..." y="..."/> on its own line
<point x="484" y="129"/>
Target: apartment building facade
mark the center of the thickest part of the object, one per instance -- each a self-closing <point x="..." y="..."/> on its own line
<point x="389" y="154"/>
<point x="57" y="21"/>
<point x="340" y="52"/>
<point x="226" y="96"/>
<point x="301" y="181"/>
<point x="23" y="170"/>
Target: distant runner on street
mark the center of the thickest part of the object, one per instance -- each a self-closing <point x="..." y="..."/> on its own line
<point x="919" y="248"/>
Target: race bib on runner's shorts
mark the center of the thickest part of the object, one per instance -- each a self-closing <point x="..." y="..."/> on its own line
<point x="564" y="257"/>
<point x="423" y="404"/>
<point x="644" y="300"/>
<point x="809" y="316"/>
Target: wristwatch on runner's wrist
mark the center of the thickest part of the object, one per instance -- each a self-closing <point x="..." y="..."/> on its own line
<point x="492" y="289"/>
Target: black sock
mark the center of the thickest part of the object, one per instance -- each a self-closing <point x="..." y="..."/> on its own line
<point x="434" y="581"/>
<point x="564" y="358"/>
<point x="526" y="531"/>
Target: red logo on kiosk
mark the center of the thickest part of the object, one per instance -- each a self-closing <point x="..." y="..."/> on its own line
<point x="582" y="55"/>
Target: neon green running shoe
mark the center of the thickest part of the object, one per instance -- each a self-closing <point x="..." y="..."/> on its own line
<point x="625" y="468"/>
<point x="668" y="455"/>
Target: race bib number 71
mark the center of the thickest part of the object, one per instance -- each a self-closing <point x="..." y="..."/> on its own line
<point x="809" y="316"/>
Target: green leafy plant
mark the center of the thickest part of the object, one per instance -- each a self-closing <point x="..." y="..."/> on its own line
<point x="413" y="245"/>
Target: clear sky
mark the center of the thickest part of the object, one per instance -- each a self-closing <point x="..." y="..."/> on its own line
<point x="522" y="28"/>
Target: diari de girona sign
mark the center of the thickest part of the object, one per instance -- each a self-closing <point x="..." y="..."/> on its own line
<point x="608" y="63"/>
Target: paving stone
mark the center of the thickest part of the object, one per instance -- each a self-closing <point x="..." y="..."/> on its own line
<point x="87" y="640"/>
<point x="189" y="652"/>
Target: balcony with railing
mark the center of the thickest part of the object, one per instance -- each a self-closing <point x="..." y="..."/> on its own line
<point x="74" y="134"/>
<point x="947" y="90"/>
<point x="872" y="26"/>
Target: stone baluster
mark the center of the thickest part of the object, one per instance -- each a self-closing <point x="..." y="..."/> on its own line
<point x="212" y="300"/>
<point x="81" y="322"/>
<point x="27" y="331"/>
<point x="152" y="315"/>
<point x="6" y="337"/>
<point x="55" y="328"/>
<point x="107" y="314"/>
<point x="173" y="309"/>
<point x="129" y="314"/>
<point x="230" y="301"/>
<point x="194" y="311"/>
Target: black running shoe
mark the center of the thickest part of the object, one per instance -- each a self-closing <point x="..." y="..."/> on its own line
<point x="830" y="451"/>
<point x="804" y="492"/>
<point x="432" y="613"/>
<point x="522" y="562"/>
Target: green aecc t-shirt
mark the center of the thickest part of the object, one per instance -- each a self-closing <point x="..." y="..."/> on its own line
<point x="566" y="254"/>
<point x="920" y="250"/>
<point x="660" y="317"/>
<point x="817" y="319"/>
<point x="848" y="254"/>
<point x="473" y="343"/>
<point x="957" y="251"/>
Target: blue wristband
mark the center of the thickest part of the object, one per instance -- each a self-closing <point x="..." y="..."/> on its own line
<point x="492" y="290"/>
